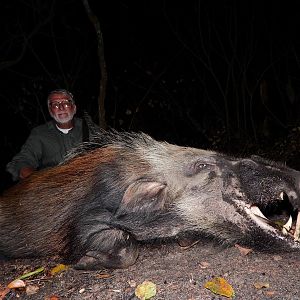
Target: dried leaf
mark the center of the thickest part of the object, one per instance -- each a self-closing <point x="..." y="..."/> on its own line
<point x="4" y="293"/>
<point x="204" y="265"/>
<point x="243" y="250"/>
<point x="52" y="297"/>
<point x="32" y="289"/>
<point x="270" y="293"/>
<point x="132" y="283"/>
<point x="104" y="275"/>
<point x="57" y="269"/>
<point x="29" y="274"/>
<point x="259" y="285"/>
<point x="146" y="290"/>
<point x="220" y="286"/>
<point x="16" y="284"/>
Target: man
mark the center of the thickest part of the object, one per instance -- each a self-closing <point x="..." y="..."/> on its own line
<point x="47" y="144"/>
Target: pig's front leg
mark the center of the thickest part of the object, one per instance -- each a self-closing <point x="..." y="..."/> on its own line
<point x="110" y="248"/>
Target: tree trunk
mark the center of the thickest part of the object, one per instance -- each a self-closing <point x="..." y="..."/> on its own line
<point x="103" y="80"/>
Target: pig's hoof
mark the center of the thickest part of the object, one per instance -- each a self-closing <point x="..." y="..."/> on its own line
<point x="120" y="259"/>
<point x="87" y="263"/>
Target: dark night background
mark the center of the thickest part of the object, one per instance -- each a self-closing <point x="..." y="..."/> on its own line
<point x="221" y="75"/>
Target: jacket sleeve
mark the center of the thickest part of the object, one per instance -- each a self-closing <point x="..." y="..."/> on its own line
<point x="30" y="155"/>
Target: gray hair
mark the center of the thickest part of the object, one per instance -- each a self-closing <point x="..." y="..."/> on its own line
<point x="61" y="91"/>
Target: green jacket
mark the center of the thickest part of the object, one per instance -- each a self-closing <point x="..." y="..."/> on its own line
<point x="46" y="146"/>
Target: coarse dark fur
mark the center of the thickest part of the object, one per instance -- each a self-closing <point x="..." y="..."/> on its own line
<point x="123" y="188"/>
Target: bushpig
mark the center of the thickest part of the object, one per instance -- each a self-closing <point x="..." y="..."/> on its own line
<point x="125" y="188"/>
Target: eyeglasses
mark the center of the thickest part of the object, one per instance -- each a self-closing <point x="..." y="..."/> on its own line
<point x="63" y="103"/>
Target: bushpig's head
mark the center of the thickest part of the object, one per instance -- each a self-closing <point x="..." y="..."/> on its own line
<point x="249" y="201"/>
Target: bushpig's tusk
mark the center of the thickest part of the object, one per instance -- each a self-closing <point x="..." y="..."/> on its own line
<point x="297" y="229"/>
<point x="287" y="226"/>
<point x="255" y="210"/>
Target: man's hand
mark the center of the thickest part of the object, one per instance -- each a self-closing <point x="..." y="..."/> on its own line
<point x="25" y="172"/>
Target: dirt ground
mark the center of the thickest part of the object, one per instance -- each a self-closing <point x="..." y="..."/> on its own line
<point x="179" y="274"/>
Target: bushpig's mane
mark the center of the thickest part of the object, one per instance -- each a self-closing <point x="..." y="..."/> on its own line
<point x="132" y="140"/>
<point x="269" y="162"/>
<point x="105" y="138"/>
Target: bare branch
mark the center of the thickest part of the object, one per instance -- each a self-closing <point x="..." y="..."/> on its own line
<point x="26" y="39"/>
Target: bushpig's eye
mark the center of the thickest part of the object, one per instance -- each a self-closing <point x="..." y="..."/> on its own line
<point x="195" y="168"/>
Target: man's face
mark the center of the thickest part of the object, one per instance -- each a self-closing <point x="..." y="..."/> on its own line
<point x="61" y="107"/>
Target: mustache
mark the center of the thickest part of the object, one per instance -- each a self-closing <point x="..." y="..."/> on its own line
<point x="64" y="117"/>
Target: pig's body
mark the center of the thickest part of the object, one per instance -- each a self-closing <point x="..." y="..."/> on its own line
<point x="126" y="188"/>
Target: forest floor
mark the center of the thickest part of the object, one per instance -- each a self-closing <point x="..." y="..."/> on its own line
<point x="179" y="274"/>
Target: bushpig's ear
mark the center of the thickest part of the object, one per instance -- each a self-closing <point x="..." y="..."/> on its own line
<point x="143" y="196"/>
